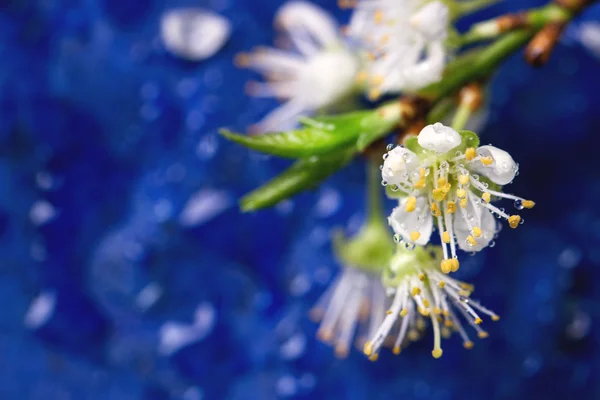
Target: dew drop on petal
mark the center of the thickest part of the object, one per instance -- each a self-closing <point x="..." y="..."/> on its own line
<point x="389" y="147"/>
<point x="519" y="204"/>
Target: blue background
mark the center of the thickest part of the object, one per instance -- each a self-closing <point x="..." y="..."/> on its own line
<point x="99" y="121"/>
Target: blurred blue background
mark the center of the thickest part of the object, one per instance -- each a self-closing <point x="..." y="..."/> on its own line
<point x="128" y="273"/>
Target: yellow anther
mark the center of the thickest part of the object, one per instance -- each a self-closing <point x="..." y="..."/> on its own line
<point x="435" y="210"/>
<point x="478" y="321"/>
<point x="483" y="334"/>
<point x="424" y="312"/>
<point x="455" y="264"/>
<point x="388" y="312"/>
<point x="468" y="345"/>
<point x="446" y="237"/>
<point x="377" y="80"/>
<point x="448" y="323"/>
<point x="486" y="197"/>
<point x="437" y="311"/>
<point x="374" y="357"/>
<point x="420" y="184"/>
<point x="341" y="351"/>
<point x="514" y="221"/>
<point x="464" y="293"/>
<point x="442" y="284"/>
<point x="487" y="161"/>
<point x="411" y="204"/>
<point x="463" y="203"/>
<point x="374" y="94"/>
<point x="477" y="232"/>
<point x="446" y="333"/>
<point x="442" y="181"/>
<point x="362" y="76"/>
<point x="378" y="16"/>
<point x="422" y="172"/>
<point x="384" y="39"/>
<point x="421" y="325"/>
<point x="446" y="266"/>
<point x="495" y="317"/>
<point x="414" y="236"/>
<point x="470" y="153"/>
<point x="368" y="348"/>
<point x="438" y="194"/>
<point x="404" y="312"/>
<point x="451" y="207"/>
<point x="421" y="277"/>
<point x="413" y="335"/>
<point x="463" y="179"/>
<point x="471" y="240"/>
<point x="325" y="335"/>
<point x="461" y="193"/>
<point x="396" y="350"/>
<point x="436" y="353"/>
<point x="426" y="302"/>
<point x="446" y="188"/>
<point x="416" y="291"/>
<point x="528" y="204"/>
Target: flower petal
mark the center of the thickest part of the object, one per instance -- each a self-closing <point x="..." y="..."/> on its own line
<point x="399" y="163"/>
<point x="480" y="217"/>
<point x="503" y="169"/>
<point x="301" y="17"/>
<point x="427" y="71"/>
<point x="420" y="220"/>
<point x="439" y="138"/>
<point x="432" y="20"/>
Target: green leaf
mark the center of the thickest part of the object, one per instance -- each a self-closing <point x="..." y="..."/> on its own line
<point x="304" y="174"/>
<point x="322" y="135"/>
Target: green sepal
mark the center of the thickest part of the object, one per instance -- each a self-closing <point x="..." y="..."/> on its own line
<point x="304" y="174"/>
<point x="394" y="195"/>
<point x="469" y="139"/>
<point x="320" y="135"/>
<point x="412" y="143"/>
<point x="371" y="249"/>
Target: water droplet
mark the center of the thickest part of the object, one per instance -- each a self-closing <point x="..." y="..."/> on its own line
<point x="519" y="204"/>
<point x="397" y="238"/>
<point x="522" y="221"/>
<point x="492" y="243"/>
<point x="458" y="153"/>
<point x="394" y="188"/>
<point x="410" y="246"/>
<point x="389" y="147"/>
<point x="384" y="183"/>
<point x="385" y="156"/>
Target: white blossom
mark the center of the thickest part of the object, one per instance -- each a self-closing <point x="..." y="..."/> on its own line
<point x="317" y="75"/>
<point x="356" y="299"/>
<point x="448" y="185"/>
<point x="419" y="291"/>
<point x="404" y="42"/>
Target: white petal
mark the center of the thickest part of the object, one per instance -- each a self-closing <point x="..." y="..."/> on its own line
<point x="420" y="220"/>
<point x="193" y="33"/>
<point x="427" y="71"/>
<point x="432" y="20"/>
<point x="399" y="163"/>
<point x="439" y="138"/>
<point x="309" y="18"/>
<point x="480" y="217"/>
<point x="503" y="169"/>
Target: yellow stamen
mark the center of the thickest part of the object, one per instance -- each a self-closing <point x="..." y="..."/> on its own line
<point x="374" y="357"/>
<point x="420" y="184"/>
<point x="396" y="350"/>
<point x="514" y="221"/>
<point x="442" y="181"/>
<point x="446" y="188"/>
<point x="377" y="80"/>
<point x="463" y="203"/>
<point x="362" y="76"/>
<point x="388" y="312"/>
<point x="467" y="286"/>
<point x="446" y="266"/>
<point x="446" y="237"/>
<point x="468" y="345"/>
<point x="495" y="317"/>
<point x="451" y="207"/>
<point x="374" y="94"/>
<point x="324" y="335"/>
<point x="471" y="240"/>
<point x="448" y="323"/>
<point x="411" y="204"/>
<point x="416" y="291"/>
<point x="368" y="348"/>
<point x="483" y="334"/>
<point x="487" y="161"/>
<point x="422" y="172"/>
<point x="435" y="210"/>
<point x="486" y="197"/>
<point x="463" y="179"/>
<point x="421" y="277"/>
<point x="470" y="153"/>
<point x="461" y="193"/>
<point x="528" y="204"/>
<point x="404" y="312"/>
<point x="426" y="302"/>
<point x="455" y="264"/>
<point x="437" y="311"/>
<point x="341" y="351"/>
<point x="478" y="321"/>
<point x="414" y="236"/>
<point x="442" y="284"/>
<point x="438" y="194"/>
<point x="477" y="232"/>
<point x="378" y="16"/>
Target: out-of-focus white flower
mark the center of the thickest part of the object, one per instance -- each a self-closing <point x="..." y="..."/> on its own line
<point x="588" y="34"/>
<point x="404" y="40"/>
<point x="318" y="75"/>
<point x="193" y="33"/>
<point x="355" y="301"/>
<point x="447" y="183"/>
<point x="419" y="290"/>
